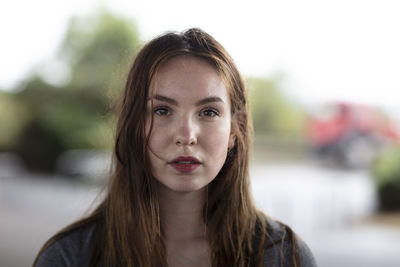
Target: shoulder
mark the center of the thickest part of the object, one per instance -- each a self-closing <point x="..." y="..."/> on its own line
<point x="283" y="247"/>
<point x="73" y="249"/>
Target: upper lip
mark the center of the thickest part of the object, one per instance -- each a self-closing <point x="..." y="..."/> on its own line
<point x="182" y="158"/>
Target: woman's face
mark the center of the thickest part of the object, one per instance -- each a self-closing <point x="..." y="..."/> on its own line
<point x="191" y="124"/>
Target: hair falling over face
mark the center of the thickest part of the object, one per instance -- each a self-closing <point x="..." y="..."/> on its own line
<point x="129" y="225"/>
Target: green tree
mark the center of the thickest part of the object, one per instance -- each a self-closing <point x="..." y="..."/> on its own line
<point x="386" y="171"/>
<point x="272" y="114"/>
<point x="77" y="113"/>
<point x="13" y="117"/>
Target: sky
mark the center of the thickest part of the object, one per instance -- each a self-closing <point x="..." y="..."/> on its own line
<point x="320" y="50"/>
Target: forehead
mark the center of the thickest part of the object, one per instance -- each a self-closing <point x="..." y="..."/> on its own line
<point x="188" y="75"/>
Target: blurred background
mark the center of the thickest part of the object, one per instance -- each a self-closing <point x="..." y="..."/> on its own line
<point x="324" y="91"/>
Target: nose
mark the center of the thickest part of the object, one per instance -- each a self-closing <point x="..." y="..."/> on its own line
<point x="186" y="132"/>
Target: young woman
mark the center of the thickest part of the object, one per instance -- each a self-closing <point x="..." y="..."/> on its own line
<point x="179" y="195"/>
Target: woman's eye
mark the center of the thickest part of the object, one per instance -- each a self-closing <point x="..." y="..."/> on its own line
<point x="209" y="113"/>
<point x="162" y="111"/>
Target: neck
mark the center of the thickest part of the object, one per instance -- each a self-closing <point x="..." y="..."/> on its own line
<point x="182" y="214"/>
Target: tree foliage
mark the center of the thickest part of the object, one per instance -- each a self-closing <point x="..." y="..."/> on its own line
<point x="47" y="119"/>
<point x="272" y="114"/>
<point x="13" y="117"/>
<point x="386" y="171"/>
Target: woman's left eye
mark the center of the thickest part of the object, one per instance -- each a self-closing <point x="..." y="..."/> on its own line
<point x="209" y="113"/>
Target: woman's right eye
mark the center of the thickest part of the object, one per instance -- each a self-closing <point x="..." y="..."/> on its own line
<point x="162" y="111"/>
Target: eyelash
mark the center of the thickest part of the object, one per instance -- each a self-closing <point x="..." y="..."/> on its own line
<point x="165" y="111"/>
<point x="157" y="111"/>
<point x="208" y="110"/>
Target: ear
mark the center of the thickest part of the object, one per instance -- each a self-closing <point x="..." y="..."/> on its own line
<point x="232" y="139"/>
<point x="232" y="135"/>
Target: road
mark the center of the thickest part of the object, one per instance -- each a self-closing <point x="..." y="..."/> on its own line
<point x="326" y="207"/>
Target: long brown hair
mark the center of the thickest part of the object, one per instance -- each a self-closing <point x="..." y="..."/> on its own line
<point x="128" y="220"/>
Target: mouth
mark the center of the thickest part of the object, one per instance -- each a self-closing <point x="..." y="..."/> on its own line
<point x="185" y="164"/>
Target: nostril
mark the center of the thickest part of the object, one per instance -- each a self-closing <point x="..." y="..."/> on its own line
<point x="185" y="141"/>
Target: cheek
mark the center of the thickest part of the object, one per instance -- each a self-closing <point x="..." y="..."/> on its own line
<point x="154" y="151"/>
<point x="217" y="140"/>
<point x="157" y="140"/>
<point x="158" y="134"/>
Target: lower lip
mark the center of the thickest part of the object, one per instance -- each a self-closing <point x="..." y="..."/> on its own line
<point x="186" y="168"/>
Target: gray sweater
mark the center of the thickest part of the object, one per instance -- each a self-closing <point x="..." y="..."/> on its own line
<point x="75" y="249"/>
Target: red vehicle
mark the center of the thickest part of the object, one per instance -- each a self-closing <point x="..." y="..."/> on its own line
<point x="350" y="135"/>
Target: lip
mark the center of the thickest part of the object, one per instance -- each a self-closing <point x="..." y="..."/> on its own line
<point x="185" y="164"/>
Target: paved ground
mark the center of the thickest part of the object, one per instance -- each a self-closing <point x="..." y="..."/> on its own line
<point x="32" y="210"/>
<point x="328" y="208"/>
<point x="333" y="211"/>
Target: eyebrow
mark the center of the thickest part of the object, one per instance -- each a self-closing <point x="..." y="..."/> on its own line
<point x="203" y="101"/>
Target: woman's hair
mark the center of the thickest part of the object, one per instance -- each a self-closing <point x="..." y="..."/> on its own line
<point x="129" y="230"/>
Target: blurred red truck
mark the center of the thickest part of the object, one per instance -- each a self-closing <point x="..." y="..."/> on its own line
<point x="350" y="135"/>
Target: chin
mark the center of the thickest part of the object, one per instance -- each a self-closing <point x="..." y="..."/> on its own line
<point x="185" y="187"/>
